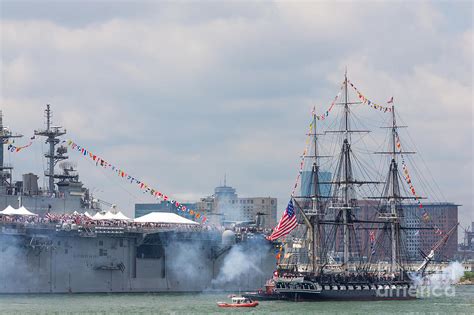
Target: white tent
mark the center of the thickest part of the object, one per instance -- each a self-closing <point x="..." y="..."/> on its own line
<point x="163" y="217"/>
<point x="121" y="216"/>
<point x="108" y="216"/>
<point x="21" y="211"/>
<point x="8" y="210"/>
<point x="87" y="215"/>
<point x="24" y="211"/>
<point x="97" y="216"/>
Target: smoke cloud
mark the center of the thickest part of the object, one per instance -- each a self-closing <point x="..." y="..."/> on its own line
<point x="450" y="275"/>
<point x="237" y="263"/>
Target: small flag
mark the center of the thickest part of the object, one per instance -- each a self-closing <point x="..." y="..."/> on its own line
<point x="372" y="236"/>
<point x="287" y="223"/>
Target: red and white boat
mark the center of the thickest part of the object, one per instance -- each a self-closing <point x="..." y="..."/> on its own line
<point x="238" y="301"/>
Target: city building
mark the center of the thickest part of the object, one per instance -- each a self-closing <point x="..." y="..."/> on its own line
<point x="423" y="228"/>
<point x="436" y="219"/>
<point x="223" y="207"/>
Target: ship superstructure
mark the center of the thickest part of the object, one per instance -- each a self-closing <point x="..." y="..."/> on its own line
<point x="64" y="192"/>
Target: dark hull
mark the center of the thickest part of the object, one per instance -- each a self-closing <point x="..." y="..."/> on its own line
<point x="264" y="297"/>
<point x="307" y="290"/>
<point x="333" y="295"/>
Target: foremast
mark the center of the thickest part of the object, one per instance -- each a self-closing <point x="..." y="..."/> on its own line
<point x="315" y="214"/>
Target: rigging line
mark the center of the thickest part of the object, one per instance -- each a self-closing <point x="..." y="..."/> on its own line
<point x="423" y="181"/>
<point x="358" y="163"/>
<point x="422" y="159"/>
<point x="365" y="145"/>
<point x="103" y="171"/>
<point x="363" y="166"/>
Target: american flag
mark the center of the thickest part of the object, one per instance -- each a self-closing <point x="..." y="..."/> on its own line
<point x="287" y="223"/>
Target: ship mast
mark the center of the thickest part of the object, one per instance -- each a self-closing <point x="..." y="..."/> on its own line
<point x="347" y="177"/>
<point x="344" y="201"/>
<point x="394" y="222"/>
<point x="52" y="134"/>
<point x="314" y="219"/>
<point x="392" y="194"/>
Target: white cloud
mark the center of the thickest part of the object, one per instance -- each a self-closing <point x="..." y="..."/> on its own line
<point x="180" y="94"/>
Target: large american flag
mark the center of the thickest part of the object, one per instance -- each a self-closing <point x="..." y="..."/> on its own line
<point x="287" y="223"/>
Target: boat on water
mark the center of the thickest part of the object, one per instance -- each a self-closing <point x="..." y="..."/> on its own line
<point x="267" y="294"/>
<point x="337" y="249"/>
<point x="238" y="301"/>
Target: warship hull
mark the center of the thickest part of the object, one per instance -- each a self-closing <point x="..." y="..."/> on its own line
<point x="44" y="260"/>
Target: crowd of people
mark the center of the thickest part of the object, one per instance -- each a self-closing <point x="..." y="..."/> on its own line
<point x="78" y="220"/>
<point x="73" y="221"/>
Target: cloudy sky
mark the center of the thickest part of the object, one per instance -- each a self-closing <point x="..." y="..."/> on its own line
<point x="179" y="94"/>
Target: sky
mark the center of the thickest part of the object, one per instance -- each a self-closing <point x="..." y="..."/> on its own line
<point x="179" y="94"/>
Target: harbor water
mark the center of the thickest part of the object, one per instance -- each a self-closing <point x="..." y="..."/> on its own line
<point x="462" y="302"/>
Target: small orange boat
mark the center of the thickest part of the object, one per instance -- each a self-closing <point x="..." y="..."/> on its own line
<point x="238" y="302"/>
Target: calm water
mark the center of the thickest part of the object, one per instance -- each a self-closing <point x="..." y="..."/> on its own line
<point x="462" y="303"/>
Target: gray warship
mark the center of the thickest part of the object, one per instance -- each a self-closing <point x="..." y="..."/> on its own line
<point x="46" y="257"/>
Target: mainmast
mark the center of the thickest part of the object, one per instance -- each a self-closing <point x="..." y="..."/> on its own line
<point x="52" y="134"/>
<point x="347" y="177"/>
<point x="394" y="222"/>
<point x="344" y="200"/>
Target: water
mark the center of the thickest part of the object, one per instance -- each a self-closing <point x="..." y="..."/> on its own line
<point x="461" y="303"/>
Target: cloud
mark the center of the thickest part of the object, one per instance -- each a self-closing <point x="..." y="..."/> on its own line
<point x="179" y="94"/>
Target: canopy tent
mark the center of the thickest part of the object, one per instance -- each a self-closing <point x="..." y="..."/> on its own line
<point x="87" y="215"/>
<point x="22" y="211"/>
<point x="8" y="210"/>
<point x="110" y="216"/>
<point x="121" y="216"/>
<point x="97" y="216"/>
<point x="163" y="217"/>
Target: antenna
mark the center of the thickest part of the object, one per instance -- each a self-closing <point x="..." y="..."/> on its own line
<point x="52" y="134"/>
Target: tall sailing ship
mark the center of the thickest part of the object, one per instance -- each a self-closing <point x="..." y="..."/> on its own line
<point x="338" y="251"/>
